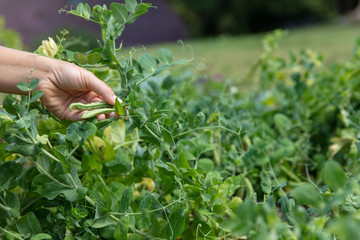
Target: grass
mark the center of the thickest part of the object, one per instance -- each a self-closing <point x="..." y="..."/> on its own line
<point x="232" y="57"/>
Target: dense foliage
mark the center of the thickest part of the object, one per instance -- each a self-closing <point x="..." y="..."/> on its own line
<point x="213" y="17"/>
<point x="9" y="37"/>
<point x="190" y="160"/>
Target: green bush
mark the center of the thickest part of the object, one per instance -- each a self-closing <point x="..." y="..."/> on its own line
<point x="212" y="17"/>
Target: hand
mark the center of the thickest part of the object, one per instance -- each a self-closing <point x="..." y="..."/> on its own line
<point x="68" y="83"/>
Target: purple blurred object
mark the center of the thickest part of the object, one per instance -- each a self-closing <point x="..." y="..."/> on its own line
<point x="40" y="18"/>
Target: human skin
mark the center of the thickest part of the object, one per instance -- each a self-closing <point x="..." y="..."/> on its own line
<point x="62" y="82"/>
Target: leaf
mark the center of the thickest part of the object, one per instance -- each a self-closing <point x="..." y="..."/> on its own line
<point x="181" y="161"/>
<point x="165" y="56"/>
<point x="345" y="227"/>
<point x="23" y="86"/>
<point x="28" y="224"/>
<point x="334" y="175"/>
<point x="41" y="236"/>
<point x="50" y="189"/>
<point x="139" y="10"/>
<point x="80" y="58"/>
<point x="177" y="223"/>
<point x="12" y="201"/>
<point x="148" y="63"/>
<point x="265" y="182"/>
<point x="241" y="222"/>
<point x="33" y="83"/>
<point x="88" y="129"/>
<point x="119" y="108"/>
<point x="307" y="194"/>
<point x="35" y="95"/>
<point x="86" y="11"/>
<point x="282" y="122"/>
<point x="9" y="171"/>
<point x="91" y="162"/>
<point x="102" y="222"/>
<point x="130" y="5"/>
<point x="94" y="58"/>
<point x="73" y="132"/>
<point x="126" y="199"/>
<point x="119" y="11"/>
<point x="121" y="231"/>
<point x="145" y="206"/>
<point x="205" y="165"/>
<point x="115" y="133"/>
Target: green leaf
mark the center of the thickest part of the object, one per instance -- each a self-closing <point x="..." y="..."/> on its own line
<point x="108" y="52"/>
<point x="126" y="199"/>
<point x="334" y="175"/>
<point x="73" y="132"/>
<point x="241" y="222"/>
<point x="50" y="189"/>
<point x="205" y="165"/>
<point x="81" y="58"/>
<point x="148" y="62"/>
<point x="12" y="201"/>
<point x="307" y="194"/>
<point x="139" y="10"/>
<point x="102" y="222"/>
<point x="265" y="182"/>
<point x="119" y="11"/>
<point x="145" y="206"/>
<point x="94" y="58"/>
<point x="41" y="236"/>
<point x="23" y="86"/>
<point x="88" y="130"/>
<point x="91" y="162"/>
<point x="119" y="108"/>
<point x="181" y="161"/>
<point x="282" y="122"/>
<point x="165" y="56"/>
<point x="28" y="224"/>
<point x="34" y="83"/>
<point x="35" y="95"/>
<point x="177" y="223"/>
<point x="9" y="171"/>
<point x="345" y="227"/>
<point x="86" y="11"/>
<point x="121" y="231"/>
<point x="130" y="5"/>
<point x="121" y="164"/>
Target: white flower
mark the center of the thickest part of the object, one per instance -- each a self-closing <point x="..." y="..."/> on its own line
<point x="48" y="47"/>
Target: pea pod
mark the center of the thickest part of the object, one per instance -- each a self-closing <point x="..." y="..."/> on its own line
<point x="89" y="106"/>
<point x="95" y="112"/>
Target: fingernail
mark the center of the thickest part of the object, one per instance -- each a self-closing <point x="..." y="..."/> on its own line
<point x="114" y="97"/>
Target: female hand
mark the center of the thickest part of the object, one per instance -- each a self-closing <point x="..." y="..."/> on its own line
<point x="63" y="83"/>
<point x="68" y="84"/>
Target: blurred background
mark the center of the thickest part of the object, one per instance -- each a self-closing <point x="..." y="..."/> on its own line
<point x="224" y="35"/>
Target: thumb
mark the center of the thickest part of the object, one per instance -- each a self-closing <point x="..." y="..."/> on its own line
<point x="102" y="89"/>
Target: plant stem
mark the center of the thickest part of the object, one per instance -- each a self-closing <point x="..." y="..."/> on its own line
<point x="51" y="177"/>
<point x="10" y="233"/>
<point x="50" y="155"/>
<point x="72" y="152"/>
<point x="5" y="208"/>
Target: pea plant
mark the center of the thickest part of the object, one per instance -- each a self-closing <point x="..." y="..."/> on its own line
<point x="184" y="160"/>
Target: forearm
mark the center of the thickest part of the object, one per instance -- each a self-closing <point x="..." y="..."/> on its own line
<point x="17" y="66"/>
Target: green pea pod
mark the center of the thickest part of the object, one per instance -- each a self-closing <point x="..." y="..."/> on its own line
<point x="89" y="106"/>
<point x="95" y="112"/>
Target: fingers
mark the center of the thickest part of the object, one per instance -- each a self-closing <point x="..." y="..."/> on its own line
<point x="99" y="87"/>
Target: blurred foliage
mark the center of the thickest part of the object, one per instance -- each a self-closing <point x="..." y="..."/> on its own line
<point x="212" y="17"/>
<point x="8" y="37"/>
